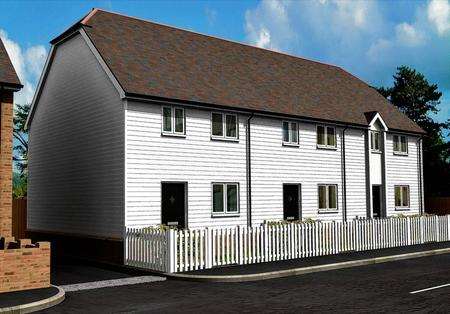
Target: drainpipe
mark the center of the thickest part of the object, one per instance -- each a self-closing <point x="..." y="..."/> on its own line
<point x="344" y="177"/>
<point x="420" y="178"/>
<point x="249" y="173"/>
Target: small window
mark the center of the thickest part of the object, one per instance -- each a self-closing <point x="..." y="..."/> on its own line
<point x="326" y="137"/>
<point x="224" y="126"/>
<point x="327" y="197"/>
<point x="290" y="133"/>
<point x="225" y="198"/>
<point x="375" y="141"/>
<point x="402" y="196"/>
<point x="173" y="122"/>
<point x="400" y="144"/>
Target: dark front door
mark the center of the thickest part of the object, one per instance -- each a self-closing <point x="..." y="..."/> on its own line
<point x="376" y="201"/>
<point x="291" y="201"/>
<point x="173" y="204"/>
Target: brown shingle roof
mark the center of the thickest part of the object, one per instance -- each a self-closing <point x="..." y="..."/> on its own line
<point x="7" y="73"/>
<point x="160" y="61"/>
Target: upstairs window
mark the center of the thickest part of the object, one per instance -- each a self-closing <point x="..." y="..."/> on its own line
<point x="290" y="133"/>
<point x="375" y="141"/>
<point x="326" y="137"/>
<point x="400" y="144"/>
<point x="224" y="126"/>
<point x="401" y="196"/>
<point x="327" y="197"/>
<point x="225" y="198"/>
<point x="173" y="122"/>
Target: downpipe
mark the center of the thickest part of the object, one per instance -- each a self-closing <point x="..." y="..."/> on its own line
<point x="344" y="177"/>
<point x="249" y="171"/>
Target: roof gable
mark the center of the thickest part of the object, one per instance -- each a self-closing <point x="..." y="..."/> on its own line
<point x="8" y="75"/>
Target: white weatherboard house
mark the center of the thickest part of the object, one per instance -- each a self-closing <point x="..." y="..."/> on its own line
<point x="138" y="124"/>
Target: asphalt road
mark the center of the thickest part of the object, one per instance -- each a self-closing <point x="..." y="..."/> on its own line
<point x="376" y="288"/>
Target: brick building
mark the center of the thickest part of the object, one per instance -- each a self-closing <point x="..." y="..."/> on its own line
<point x="9" y="83"/>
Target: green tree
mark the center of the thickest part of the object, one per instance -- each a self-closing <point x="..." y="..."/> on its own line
<point x="20" y="151"/>
<point x="419" y="100"/>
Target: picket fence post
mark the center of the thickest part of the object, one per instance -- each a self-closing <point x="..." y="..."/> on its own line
<point x="408" y="219"/>
<point x="171" y="255"/>
<point x="448" y="227"/>
<point x="208" y="248"/>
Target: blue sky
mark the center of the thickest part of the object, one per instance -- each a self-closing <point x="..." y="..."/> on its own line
<point x="368" y="38"/>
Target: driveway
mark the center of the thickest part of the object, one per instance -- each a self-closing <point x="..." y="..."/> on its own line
<point x="375" y="288"/>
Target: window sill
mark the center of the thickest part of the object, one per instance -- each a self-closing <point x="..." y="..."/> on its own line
<point x="291" y="144"/>
<point x="329" y="211"/>
<point x="173" y="135"/>
<point x="402" y="209"/>
<point x="224" y="139"/>
<point x="400" y="154"/>
<point x="326" y="147"/>
<point x="225" y="215"/>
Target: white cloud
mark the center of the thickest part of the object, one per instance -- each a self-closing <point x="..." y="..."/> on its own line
<point x="35" y="59"/>
<point x="263" y="40"/>
<point x="438" y="13"/>
<point x="28" y="65"/>
<point x="270" y="16"/>
<point x="211" y="16"/>
<point x="408" y="34"/>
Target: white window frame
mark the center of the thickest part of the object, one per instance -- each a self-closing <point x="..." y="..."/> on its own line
<point x="172" y="132"/>
<point x="224" y="137"/>
<point x="372" y="141"/>
<point x="327" y="209"/>
<point x="400" y="152"/>
<point x="402" y="207"/>
<point x="290" y="142"/>
<point x="326" y="146"/>
<point x="225" y="212"/>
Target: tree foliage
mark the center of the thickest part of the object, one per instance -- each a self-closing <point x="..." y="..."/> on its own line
<point x="419" y="100"/>
<point x="20" y="151"/>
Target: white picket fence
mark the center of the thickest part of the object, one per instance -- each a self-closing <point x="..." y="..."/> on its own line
<point x="185" y="250"/>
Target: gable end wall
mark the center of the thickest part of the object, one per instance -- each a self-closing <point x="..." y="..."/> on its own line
<point x="76" y="148"/>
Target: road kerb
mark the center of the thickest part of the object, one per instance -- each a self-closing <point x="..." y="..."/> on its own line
<point x="304" y="270"/>
<point x="37" y="305"/>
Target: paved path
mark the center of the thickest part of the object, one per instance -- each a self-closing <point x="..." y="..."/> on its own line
<point x="374" y="288"/>
<point x="111" y="283"/>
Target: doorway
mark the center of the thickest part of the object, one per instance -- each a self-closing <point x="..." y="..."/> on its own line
<point x="376" y="201"/>
<point x="174" y="204"/>
<point x="291" y="201"/>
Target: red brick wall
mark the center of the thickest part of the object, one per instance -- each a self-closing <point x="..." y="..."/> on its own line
<point x="25" y="268"/>
<point x="6" y="135"/>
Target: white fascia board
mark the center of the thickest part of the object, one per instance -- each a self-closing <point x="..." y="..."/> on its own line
<point x="378" y="117"/>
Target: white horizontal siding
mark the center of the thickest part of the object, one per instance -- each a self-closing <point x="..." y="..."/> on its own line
<point x="355" y="164"/>
<point x="152" y="158"/>
<point x="274" y="164"/>
<point x="402" y="170"/>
